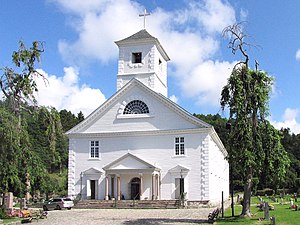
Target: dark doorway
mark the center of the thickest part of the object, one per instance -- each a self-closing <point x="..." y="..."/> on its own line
<point x="93" y="189"/>
<point x="179" y="187"/>
<point x="135" y="188"/>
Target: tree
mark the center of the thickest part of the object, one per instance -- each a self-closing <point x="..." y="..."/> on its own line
<point x="80" y="117"/>
<point x="18" y="86"/>
<point x="246" y="94"/>
<point x="276" y="159"/>
<point x="68" y="119"/>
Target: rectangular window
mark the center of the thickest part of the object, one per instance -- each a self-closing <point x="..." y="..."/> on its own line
<point x="179" y="146"/>
<point x="94" y="149"/>
<point x="136" y="57"/>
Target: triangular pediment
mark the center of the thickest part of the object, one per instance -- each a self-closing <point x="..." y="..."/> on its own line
<point x="109" y="118"/>
<point x="92" y="171"/>
<point x="179" y="169"/>
<point x="129" y="162"/>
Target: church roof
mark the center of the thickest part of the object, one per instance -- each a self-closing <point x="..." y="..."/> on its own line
<point x="143" y="37"/>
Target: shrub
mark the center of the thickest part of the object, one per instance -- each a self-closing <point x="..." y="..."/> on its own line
<point x="3" y="214"/>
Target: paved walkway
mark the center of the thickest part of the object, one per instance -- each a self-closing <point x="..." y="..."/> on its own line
<point x="127" y="217"/>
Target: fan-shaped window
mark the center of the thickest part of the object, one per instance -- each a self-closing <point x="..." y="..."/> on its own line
<point x="136" y="107"/>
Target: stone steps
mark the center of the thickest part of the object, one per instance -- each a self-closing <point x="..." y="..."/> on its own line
<point x="102" y="204"/>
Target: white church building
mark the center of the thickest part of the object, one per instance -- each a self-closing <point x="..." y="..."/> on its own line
<point x="141" y="145"/>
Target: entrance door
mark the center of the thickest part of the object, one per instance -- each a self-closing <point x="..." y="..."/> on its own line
<point x="135" y="188"/>
<point x="93" y="189"/>
<point x="179" y="187"/>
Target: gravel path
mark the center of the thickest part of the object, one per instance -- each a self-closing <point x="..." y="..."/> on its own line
<point x="127" y="217"/>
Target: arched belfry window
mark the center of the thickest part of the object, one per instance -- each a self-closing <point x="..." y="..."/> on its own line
<point x="136" y="107"/>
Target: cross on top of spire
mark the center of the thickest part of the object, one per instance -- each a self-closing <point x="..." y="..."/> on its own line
<point x="144" y="15"/>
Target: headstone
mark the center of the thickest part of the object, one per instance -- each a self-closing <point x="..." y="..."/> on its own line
<point x="238" y="199"/>
<point x="9" y="200"/>
<point x="266" y="211"/>
<point x="22" y="203"/>
<point x="27" y="183"/>
<point x="273" y="222"/>
<point x="1" y="199"/>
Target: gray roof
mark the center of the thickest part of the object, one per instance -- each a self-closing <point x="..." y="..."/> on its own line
<point x="143" y="36"/>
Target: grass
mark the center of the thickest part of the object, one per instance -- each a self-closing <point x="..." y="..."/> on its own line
<point x="5" y="221"/>
<point x="282" y="213"/>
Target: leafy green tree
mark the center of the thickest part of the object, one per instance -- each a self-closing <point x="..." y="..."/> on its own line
<point x="246" y="95"/>
<point x="276" y="159"/>
<point x="291" y="143"/>
<point x="68" y="119"/>
<point x="80" y="117"/>
<point x="48" y="138"/>
<point x="18" y="86"/>
<point x="10" y="152"/>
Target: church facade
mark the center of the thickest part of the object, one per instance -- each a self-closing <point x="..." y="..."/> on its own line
<point x="141" y="145"/>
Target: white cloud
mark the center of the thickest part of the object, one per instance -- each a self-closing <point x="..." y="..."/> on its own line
<point x="173" y="98"/>
<point x="215" y="15"/>
<point x="243" y="15"/>
<point x="98" y="28"/>
<point x="289" y="121"/>
<point x="81" y="7"/>
<point x="298" y="54"/>
<point x="206" y="81"/>
<point x="66" y="93"/>
<point x="190" y="36"/>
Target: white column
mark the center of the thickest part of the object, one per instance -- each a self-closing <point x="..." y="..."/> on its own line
<point x="153" y="186"/>
<point x="141" y="185"/>
<point x="156" y="186"/>
<point x="118" y="187"/>
<point x="106" y="188"/>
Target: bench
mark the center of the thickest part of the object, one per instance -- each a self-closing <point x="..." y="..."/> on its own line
<point x="213" y="215"/>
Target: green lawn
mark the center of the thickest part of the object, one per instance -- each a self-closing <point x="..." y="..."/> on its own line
<point x="282" y="213"/>
<point x="5" y="221"/>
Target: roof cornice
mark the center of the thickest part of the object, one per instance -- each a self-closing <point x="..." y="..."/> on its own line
<point x="140" y="133"/>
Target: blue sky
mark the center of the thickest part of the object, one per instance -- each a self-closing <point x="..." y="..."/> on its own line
<point x="80" y="59"/>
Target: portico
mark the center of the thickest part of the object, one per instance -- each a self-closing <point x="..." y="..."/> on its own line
<point x="130" y="177"/>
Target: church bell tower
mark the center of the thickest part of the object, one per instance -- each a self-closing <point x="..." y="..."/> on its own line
<point x="142" y="57"/>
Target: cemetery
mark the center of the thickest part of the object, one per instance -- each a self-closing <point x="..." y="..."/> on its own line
<point x="269" y="210"/>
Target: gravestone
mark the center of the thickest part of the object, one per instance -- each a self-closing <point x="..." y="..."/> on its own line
<point x="273" y="221"/>
<point x="8" y="201"/>
<point x="22" y="203"/>
<point x="1" y="199"/>
<point x="266" y="211"/>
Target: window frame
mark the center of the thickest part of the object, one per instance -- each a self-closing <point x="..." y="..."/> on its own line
<point x="136" y="107"/>
<point x="136" y="57"/>
<point x="94" y="149"/>
<point x="179" y="146"/>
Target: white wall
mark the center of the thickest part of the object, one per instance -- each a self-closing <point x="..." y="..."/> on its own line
<point x="148" y="68"/>
<point x="218" y="174"/>
<point x="156" y="150"/>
